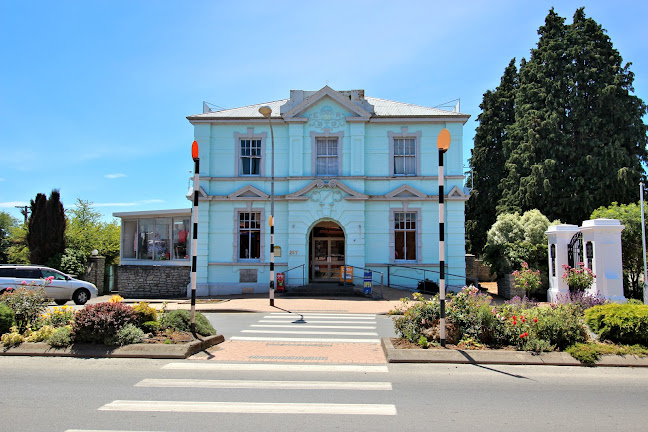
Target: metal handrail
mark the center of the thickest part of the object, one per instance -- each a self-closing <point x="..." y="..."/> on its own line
<point x="382" y="276"/>
<point x="303" y="266"/>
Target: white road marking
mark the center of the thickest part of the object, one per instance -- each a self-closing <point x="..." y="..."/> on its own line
<point x="308" y="326"/>
<point x="296" y="332"/>
<point x="252" y="384"/>
<point x="291" y="321"/>
<point x="298" y="339"/>
<point x="275" y="367"/>
<point x="323" y="314"/>
<point x="319" y="317"/>
<point x="250" y="407"/>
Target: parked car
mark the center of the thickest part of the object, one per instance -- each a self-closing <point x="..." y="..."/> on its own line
<point x="62" y="287"/>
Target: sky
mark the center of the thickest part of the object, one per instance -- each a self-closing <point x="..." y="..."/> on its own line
<point x="94" y="95"/>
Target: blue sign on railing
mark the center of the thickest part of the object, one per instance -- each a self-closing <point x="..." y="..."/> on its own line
<point x="368" y="281"/>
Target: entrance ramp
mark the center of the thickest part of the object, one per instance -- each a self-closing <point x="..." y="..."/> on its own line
<point x="325" y="289"/>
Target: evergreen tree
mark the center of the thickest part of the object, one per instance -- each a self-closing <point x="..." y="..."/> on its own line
<point x="46" y="228"/>
<point x="488" y="158"/>
<point x="7" y="222"/>
<point x="578" y="140"/>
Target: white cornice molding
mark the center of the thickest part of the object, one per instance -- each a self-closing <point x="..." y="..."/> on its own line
<point x="248" y="193"/>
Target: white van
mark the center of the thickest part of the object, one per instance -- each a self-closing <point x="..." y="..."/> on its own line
<point x="62" y="288"/>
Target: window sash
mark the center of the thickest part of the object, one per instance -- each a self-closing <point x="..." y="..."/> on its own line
<point x="249" y="236"/>
<point x="327" y="156"/>
<point x="250" y="154"/>
<point x="405" y="236"/>
<point x="404" y="156"/>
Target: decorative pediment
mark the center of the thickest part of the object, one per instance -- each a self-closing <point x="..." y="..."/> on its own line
<point x="336" y="186"/>
<point x="457" y="194"/>
<point x="248" y="193"/>
<point x="201" y="193"/>
<point x="406" y="192"/>
<point x="345" y="101"/>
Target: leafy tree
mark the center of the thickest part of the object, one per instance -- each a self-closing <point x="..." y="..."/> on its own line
<point x="578" y="140"/>
<point x="46" y="228"/>
<point x="87" y="232"/>
<point x="488" y="158"/>
<point x="7" y="222"/>
<point x="631" y="244"/>
<point x="514" y="239"/>
<point x="18" y="250"/>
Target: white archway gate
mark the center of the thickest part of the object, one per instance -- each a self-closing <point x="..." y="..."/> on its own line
<point x="597" y="244"/>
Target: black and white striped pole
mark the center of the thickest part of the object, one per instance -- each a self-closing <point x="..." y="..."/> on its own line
<point x="265" y="112"/>
<point x="443" y="144"/>
<point x="194" y="242"/>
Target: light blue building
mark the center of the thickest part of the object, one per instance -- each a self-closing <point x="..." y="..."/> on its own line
<point x="355" y="184"/>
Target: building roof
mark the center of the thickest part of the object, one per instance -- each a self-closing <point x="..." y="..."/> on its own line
<point x="381" y="108"/>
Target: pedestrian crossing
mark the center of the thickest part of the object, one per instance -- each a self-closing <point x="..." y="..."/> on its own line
<point x="312" y="327"/>
<point x="242" y="383"/>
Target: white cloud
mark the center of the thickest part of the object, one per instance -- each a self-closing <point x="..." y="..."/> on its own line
<point x="114" y="176"/>
<point x="13" y="204"/>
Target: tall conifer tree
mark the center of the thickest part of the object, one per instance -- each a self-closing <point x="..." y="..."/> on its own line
<point x="488" y="158"/>
<point x="579" y="139"/>
<point x="46" y="228"/>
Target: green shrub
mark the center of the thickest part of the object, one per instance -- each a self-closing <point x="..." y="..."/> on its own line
<point x="589" y="353"/>
<point x="145" y="312"/>
<point x="561" y="325"/>
<point x="61" y="337"/>
<point x="180" y="320"/>
<point x="621" y="323"/>
<point x="150" y="326"/>
<point x="39" y="335"/>
<point x="129" y="334"/>
<point x="6" y="318"/>
<point x="27" y="304"/>
<point x="13" y="338"/>
<point x="416" y="317"/>
<point x="100" y="322"/>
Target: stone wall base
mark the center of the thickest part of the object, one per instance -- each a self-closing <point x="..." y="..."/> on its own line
<point x="139" y="281"/>
<point x="475" y="268"/>
<point x="506" y="287"/>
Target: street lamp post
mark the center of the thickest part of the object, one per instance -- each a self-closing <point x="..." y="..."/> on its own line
<point x="443" y="144"/>
<point x="266" y="111"/>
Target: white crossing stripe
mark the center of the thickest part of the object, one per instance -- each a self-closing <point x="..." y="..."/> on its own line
<point x="297" y="332"/>
<point x="285" y="314"/>
<point x="320" y="317"/>
<point x="252" y="384"/>
<point x="308" y="326"/>
<point x="275" y="367"/>
<point x="250" y="407"/>
<point x="298" y="339"/>
<point x="103" y="430"/>
<point x="284" y="321"/>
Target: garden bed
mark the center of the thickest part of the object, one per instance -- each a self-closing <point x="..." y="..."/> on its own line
<point x="158" y="349"/>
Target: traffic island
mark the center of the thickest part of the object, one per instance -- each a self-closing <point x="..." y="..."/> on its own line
<point x="502" y="357"/>
<point x="141" y="350"/>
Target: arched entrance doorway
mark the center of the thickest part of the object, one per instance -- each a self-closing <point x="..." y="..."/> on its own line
<point x="326" y="252"/>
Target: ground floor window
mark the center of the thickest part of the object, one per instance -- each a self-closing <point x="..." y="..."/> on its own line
<point x="249" y="235"/>
<point x="156" y="239"/>
<point x="405" y="236"/>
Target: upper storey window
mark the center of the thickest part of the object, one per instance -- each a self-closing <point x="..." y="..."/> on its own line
<point x="327" y="162"/>
<point x="250" y="156"/>
<point x="405" y="156"/>
<point x="405" y="153"/>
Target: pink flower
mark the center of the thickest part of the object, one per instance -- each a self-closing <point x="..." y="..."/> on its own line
<point x="24" y="282"/>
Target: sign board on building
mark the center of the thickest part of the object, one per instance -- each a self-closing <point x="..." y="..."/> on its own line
<point x="346" y="273"/>
<point x="368" y="282"/>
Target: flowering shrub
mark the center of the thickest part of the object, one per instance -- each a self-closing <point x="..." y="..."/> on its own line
<point x="527" y="279"/>
<point x="27" y="304"/>
<point x="519" y="323"/>
<point x="578" y="279"/>
<point x="39" y="335"/>
<point x="58" y="316"/>
<point x="116" y="299"/>
<point x="100" y="322"/>
<point x="581" y="299"/>
<point x="13" y="338"/>
<point x="145" y="312"/>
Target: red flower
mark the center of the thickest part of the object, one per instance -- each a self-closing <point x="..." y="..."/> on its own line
<point x="514" y="322"/>
<point x="523" y="335"/>
<point x="535" y="319"/>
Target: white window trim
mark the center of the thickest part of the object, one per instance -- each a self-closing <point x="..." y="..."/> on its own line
<point x="237" y="142"/>
<point x="235" y="245"/>
<point x="327" y="134"/>
<point x="402" y="135"/>
<point x="392" y="234"/>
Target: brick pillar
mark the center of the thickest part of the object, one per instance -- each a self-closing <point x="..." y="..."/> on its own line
<point x="95" y="268"/>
